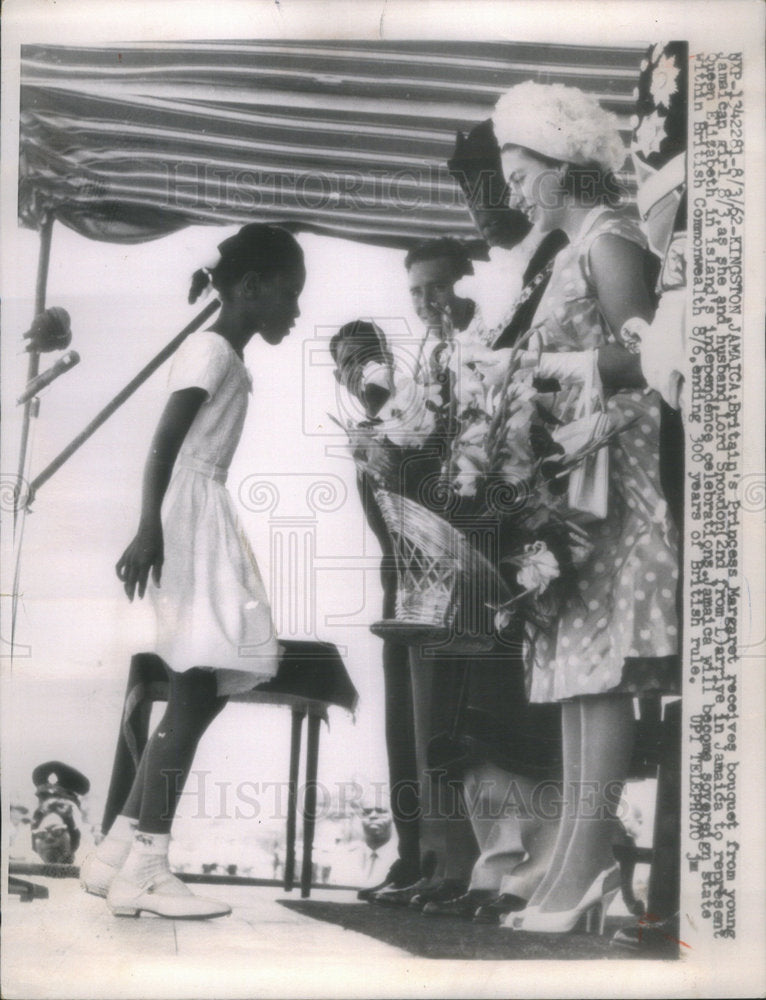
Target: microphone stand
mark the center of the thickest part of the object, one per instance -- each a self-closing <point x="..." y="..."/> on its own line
<point x="21" y="887"/>
<point x="23" y="500"/>
<point x="30" y="411"/>
<point x="119" y="399"/>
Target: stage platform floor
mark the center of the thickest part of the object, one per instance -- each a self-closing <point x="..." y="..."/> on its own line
<point x="70" y="946"/>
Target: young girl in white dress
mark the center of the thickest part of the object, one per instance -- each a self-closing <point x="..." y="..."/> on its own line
<point x="214" y="628"/>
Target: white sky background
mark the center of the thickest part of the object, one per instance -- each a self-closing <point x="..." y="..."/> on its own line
<point x="126" y="302"/>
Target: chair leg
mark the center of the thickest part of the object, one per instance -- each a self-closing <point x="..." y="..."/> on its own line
<point x="462" y="702"/>
<point x="310" y="802"/>
<point x="27" y="891"/>
<point x="626" y="856"/>
<point x="664" y="881"/>
<point x="292" y="798"/>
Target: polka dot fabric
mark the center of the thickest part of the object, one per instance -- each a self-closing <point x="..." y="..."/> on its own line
<point x="618" y="630"/>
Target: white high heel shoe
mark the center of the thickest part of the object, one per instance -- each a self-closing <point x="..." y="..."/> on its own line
<point x="162" y="894"/>
<point x="593" y="906"/>
<point x="515" y="921"/>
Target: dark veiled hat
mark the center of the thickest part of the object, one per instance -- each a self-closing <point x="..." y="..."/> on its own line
<point x="475" y="164"/>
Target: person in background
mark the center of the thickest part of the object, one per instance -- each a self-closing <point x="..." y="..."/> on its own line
<point x="454" y="323"/>
<point x="56" y="828"/>
<point x="20" y="837"/>
<point x="376" y="822"/>
<point x="277" y="860"/>
<point x="433" y="268"/>
<point x="365" y="861"/>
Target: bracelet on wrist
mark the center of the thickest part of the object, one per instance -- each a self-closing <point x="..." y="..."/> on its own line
<point x="631" y="333"/>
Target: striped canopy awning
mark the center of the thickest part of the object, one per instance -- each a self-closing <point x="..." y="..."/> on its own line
<point x="129" y="143"/>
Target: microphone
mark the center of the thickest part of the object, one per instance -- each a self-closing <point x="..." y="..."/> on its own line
<point x="64" y="363"/>
<point x="50" y="331"/>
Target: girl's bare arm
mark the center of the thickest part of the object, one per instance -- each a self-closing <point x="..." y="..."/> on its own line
<point x="145" y="553"/>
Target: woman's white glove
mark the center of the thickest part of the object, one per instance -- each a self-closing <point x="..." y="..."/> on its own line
<point x="567" y="366"/>
<point x="573" y="367"/>
<point x="662" y="345"/>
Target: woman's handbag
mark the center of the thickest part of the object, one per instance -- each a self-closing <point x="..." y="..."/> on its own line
<point x="588" y="489"/>
<point x="589" y="479"/>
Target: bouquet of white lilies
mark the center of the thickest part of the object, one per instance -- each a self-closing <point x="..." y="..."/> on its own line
<point x="498" y="471"/>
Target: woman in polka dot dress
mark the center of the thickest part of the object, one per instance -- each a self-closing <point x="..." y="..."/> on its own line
<point x="617" y="635"/>
<point x="619" y="632"/>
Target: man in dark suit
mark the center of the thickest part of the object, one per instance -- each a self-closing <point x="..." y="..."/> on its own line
<point x="504" y="746"/>
<point x="363" y="366"/>
<point x="436" y="851"/>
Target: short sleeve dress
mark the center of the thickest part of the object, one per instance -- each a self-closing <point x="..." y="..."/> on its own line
<point x="618" y="632"/>
<point x="211" y="605"/>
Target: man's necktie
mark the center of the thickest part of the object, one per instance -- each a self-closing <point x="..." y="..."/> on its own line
<point x="371" y="865"/>
<point x="439" y="369"/>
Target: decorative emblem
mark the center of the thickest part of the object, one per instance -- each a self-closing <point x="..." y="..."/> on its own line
<point x="663" y="84"/>
<point x="650" y="133"/>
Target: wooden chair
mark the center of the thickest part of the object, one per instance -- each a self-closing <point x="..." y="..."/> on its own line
<point x="311" y="677"/>
<point x="657" y="754"/>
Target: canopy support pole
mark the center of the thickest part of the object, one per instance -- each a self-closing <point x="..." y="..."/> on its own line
<point x="119" y="399"/>
<point x="31" y="407"/>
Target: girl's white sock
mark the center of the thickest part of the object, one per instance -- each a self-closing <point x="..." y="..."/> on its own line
<point x="147" y="857"/>
<point x="150" y="843"/>
<point x="114" y="848"/>
<point x="123" y="827"/>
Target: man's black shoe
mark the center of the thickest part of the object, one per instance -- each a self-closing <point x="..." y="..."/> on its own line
<point x="399" y="896"/>
<point x="437" y="891"/>
<point x="494" y="911"/>
<point x="399" y="875"/>
<point x="460" y="906"/>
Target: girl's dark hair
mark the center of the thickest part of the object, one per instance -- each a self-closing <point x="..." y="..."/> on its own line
<point x="589" y="183"/>
<point x="435" y="249"/>
<point x="256" y="247"/>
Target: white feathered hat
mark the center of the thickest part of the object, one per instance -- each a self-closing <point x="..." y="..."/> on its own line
<point x="560" y="122"/>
